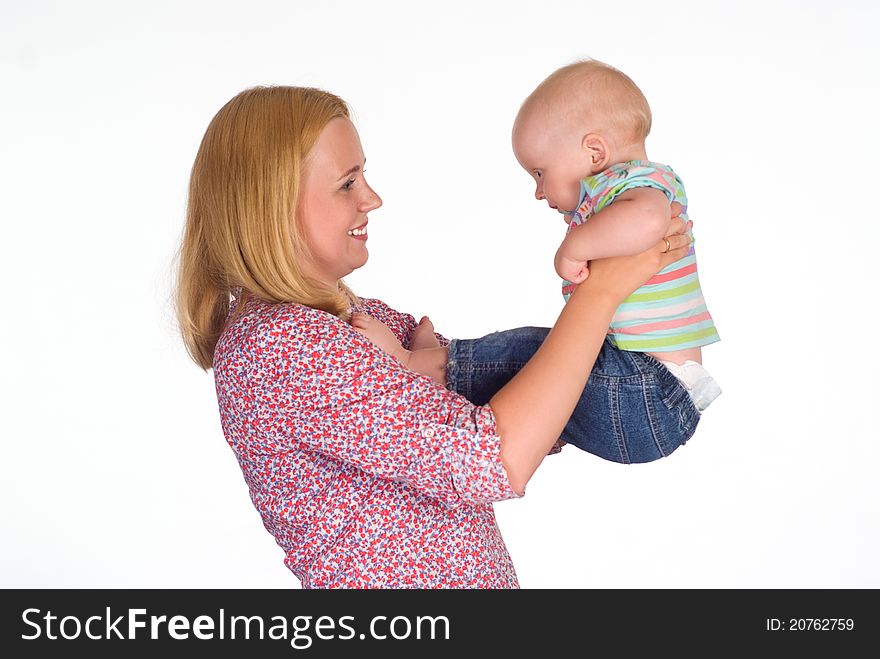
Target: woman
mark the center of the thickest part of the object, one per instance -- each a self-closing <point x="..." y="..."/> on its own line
<point x="367" y="474"/>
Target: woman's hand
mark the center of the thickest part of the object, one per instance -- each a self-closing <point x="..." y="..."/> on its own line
<point x="619" y="276"/>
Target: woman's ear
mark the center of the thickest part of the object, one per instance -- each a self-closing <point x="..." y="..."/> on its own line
<point x="597" y="151"/>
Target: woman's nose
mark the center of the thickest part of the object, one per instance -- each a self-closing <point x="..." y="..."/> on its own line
<point x="372" y="201"/>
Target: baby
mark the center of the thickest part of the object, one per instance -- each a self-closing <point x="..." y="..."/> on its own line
<point x="581" y="135"/>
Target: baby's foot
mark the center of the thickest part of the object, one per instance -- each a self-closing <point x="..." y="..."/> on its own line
<point x="423" y="335"/>
<point x="428" y="359"/>
<point x="377" y="332"/>
<point x="430" y="362"/>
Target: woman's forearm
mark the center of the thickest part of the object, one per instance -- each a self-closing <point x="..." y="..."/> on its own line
<point x="532" y="409"/>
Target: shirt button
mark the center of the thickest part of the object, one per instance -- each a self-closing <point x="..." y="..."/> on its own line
<point x="428" y="432"/>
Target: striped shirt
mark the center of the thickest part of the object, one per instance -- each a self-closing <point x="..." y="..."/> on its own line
<point x="669" y="312"/>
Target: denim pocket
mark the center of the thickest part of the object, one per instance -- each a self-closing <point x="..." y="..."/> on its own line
<point x="683" y="416"/>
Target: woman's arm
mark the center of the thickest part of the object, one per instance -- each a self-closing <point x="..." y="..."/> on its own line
<point x="532" y="409"/>
<point x="290" y="379"/>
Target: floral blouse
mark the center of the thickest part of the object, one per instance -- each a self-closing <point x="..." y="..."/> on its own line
<point x="367" y="474"/>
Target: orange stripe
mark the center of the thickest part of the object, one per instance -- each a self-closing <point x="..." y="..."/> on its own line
<point x="663" y="324"/>
<point x="675" y="274"/>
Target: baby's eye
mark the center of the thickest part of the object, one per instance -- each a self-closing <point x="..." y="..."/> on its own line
<point x="537" y="173"/>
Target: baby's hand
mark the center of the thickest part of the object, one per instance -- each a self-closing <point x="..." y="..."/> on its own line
<point x="573" y="270"/>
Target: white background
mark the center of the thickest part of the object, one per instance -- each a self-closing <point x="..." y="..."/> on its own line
<point x="114" y="471"/>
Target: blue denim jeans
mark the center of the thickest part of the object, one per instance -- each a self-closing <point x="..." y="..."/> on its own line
<point x="632" y="409"/>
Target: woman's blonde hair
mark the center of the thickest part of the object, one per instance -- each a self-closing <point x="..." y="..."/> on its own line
<point x="242" y="229"/>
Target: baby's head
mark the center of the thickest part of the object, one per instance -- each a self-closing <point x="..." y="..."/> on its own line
<point x="580" y="120"/>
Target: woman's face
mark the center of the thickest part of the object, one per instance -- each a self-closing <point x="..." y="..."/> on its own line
<point x="334" y="203"/>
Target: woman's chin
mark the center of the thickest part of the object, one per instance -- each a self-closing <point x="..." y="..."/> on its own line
<point x="360" y="261"/>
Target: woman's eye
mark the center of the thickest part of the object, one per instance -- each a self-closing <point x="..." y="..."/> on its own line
<point x="350" y="182"/>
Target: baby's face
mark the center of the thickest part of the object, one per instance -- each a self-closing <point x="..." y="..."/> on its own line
<point x="553" y="156"/>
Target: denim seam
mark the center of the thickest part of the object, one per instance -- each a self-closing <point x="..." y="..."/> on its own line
<point x="649" y="381"/>
<point x="495" y="366"/>
<point x="620" y="379"/>
<point x="456" y="379"/>
<point x="616" y="423"/>
<point x="656" y="431"/>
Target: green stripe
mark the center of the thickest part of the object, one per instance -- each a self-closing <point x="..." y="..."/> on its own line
<point x="664" y="342"/>
<point x="610" y="196"/>
<point x="663" y="295"/>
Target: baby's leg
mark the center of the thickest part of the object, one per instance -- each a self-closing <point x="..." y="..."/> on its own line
<point x="632" y="409"/>
<point x="687" y="366"/>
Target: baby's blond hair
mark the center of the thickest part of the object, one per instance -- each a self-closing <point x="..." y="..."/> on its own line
<point x="598" y="94"/>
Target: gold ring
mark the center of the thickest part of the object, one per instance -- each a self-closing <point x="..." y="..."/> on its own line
<point x="668" y="246"/>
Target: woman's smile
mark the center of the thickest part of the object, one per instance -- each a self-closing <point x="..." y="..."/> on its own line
<point x="360" y="233"/>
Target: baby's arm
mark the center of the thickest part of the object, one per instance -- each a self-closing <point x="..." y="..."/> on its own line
<point x="427" y="357"/>
<point x="632" y="223"/>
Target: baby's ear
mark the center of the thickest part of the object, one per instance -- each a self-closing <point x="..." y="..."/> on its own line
<point x="597" y="151"/>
